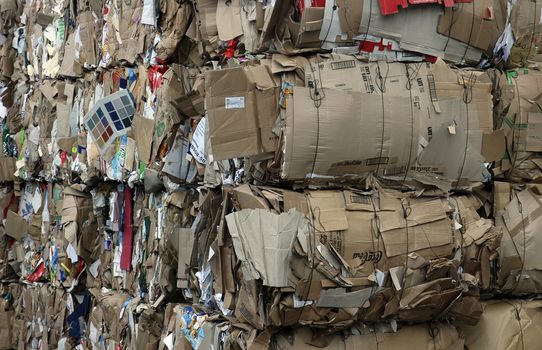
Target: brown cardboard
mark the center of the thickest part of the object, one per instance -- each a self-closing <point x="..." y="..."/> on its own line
<point x="70" y="67"/>
<point x="350" y="12"/>
<point x="7" y="169"/>
<point x="263" y="241"/>
<point x="295" y="200"/>
<point x="361" y="241"/>
<point x="228" y="20"/>
<point x="63" y="112"/>
<point x="328" y="210"/>
<point x="515" y="108"/>
<point x="16" y="226"/>
<point x="520" y="261"/>
<point x="318" y="147"/>
<point x="206" y="13"/>
<point x="339" y="297"/>
<point x="506" y="324"/>
<point x="434" y="102"/>
<point x="87" y="47"/>
<point x="191" y="105"/>
<point x="7" y="59"/>
<point x="186" y="244"/>
<point x="66" y="143"/>
<point x="6" y="322"/>
<point x="305" y="34"/>
<point x="388" y="249"/>
<point x="178" y="16"/>
<point x="416" y="30"/>
<point x="132" y="35"/>
<point x="249" y="200"/>
<point x="49" y="91"/>
<point x="446" y="337"/>
<point x="34" y="227"/>
<point x="404" y="241"/>
<point x="493" y="146"/>
<point x="241" y="115"/>
<point x="274" y="15"/>
<point x="533" y="142"/>
<point x="478" y="24"/>
<point x="378" y="240"/>
<point x="8" y="201"/>
<point x="525" y="23"/>
<point x="464" y="160"/>
<point x="501" y="196"/>
<point x="143" y="130"/>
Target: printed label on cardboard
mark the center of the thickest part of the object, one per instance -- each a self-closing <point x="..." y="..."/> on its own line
<point x="235" y="102"/>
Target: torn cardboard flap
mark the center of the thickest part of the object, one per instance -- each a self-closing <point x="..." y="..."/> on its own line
<point x="494" y="145"/>
<point x="416" y="238"/>
<point x="16" y="226"/>
<point x="49" y="91"/>
<point x="328" y="210"/>
<point x="338" y="297"/>
<point x="263" y="242"/>
<point x="190" y="105"/>
<point x="282" y="63"/>
<point x="228" y="20"/>
<point x="415" y="212"/>
<point x="143" y="134"/>
<point x="306" y="32"/>
<point x="415" y="30"/>
<point x="247" y="199"/>
<point x="295" y="200"/>
<point x="350" y="12"/>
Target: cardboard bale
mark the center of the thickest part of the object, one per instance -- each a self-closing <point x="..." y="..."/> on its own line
<point x="519" y="272"/>
<point x="424" y="336"/>
<point x="371" y="99"/>
<point x="525" y="27"/>
<point x="517" y="113"/>
<point x="506" y="324"/>
<point x="364" y="250"/>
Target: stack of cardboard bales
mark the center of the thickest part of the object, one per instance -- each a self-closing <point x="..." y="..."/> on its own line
<point x="251" y="174"/>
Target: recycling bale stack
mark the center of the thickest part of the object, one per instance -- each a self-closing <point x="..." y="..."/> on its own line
<point x="259" y="175"/>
